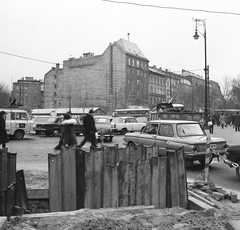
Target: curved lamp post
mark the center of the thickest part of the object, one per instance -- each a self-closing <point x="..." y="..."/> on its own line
<point x="196" y="36"/>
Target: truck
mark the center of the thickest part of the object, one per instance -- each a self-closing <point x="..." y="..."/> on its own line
<point x="169" y="111"/>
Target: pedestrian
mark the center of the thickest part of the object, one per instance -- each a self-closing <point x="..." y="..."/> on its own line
<point x="3" y="133"/>
<point x="222" y="120"/>
<point x="68" y="136"/>
<point x="89" y="130"/>
<point x="211" y="123"/>
<point x="237" y="121"/>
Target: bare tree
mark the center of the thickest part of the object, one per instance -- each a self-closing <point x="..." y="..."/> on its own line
<point x="226" y="88"/>
<point x="4" y="95"/>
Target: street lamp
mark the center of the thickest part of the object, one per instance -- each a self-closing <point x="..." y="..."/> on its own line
<point x="196" y="36"/>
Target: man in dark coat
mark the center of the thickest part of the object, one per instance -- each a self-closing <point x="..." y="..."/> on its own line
<point x="237" y="121"/>
<point x="3" y="133"/>
<point x="89" y="129"/>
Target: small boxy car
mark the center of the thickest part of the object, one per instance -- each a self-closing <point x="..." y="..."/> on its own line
<point x="103" y="126"/>
<point x="172" y="134"/>
<point x="123" y="125"/>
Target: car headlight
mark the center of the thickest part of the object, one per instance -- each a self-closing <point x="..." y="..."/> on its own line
<point x="195" y="148"/>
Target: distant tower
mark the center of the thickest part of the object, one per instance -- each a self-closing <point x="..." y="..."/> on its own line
<point x="128" y="35"/>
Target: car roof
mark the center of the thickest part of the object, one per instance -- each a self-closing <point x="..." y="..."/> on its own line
<point x="173" y="121"/>
<point x="124" y="117"/>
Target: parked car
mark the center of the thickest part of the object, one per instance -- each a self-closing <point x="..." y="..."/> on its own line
<point x="103" y="126"/>
<point x="126" y="124"/>
<point x="170" y="135"/>
<point x="233" y="154"/>
<point x="53" y="127"/>
<point x="39" y="120"/>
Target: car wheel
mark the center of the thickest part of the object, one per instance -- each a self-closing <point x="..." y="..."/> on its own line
<point x="238" y="171"/>
<point x="131" y="145"/>
<point x="123" y="131"/>
<point x="56" y="132"/>
<point x="202" y="162"/>
<point x="18" y="135"/>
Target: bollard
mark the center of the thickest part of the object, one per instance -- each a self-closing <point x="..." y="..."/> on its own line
<point x="207" y="158"/>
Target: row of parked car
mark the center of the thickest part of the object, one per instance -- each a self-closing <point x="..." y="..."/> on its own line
<point x="166" y="135"/>
<point x="108" y="126"/>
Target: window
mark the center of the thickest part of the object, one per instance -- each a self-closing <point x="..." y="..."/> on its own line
<point x="166" y="130"/>
<point x="151" y="129"/>
<point x="137" y="63"/>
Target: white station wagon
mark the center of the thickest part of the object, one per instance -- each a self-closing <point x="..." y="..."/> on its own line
<point x="172" y="134"/>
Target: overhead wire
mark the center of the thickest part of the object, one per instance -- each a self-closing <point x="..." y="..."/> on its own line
<point x="137" y="4"/>
<point x="173" y="8"/>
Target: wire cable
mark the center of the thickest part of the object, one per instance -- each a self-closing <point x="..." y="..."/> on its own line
<point x="32" y="59"/>
<point x="173" y="8"/>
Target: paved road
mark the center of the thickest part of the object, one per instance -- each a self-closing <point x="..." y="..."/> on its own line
<point x="32" y="154"/>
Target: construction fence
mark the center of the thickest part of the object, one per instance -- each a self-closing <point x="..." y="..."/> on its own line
<point x="116" y="177"/>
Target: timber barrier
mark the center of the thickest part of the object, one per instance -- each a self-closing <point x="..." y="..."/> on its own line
<point x="116" y="177"/>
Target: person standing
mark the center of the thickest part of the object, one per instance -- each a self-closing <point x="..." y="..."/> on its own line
<point x="237" y="121"/>
<point x="68" y="136"/>
<point x="222" y="120"/>
<point x="211" y="123"/>
<point x="89" y="130"/>
<point x="3" y="133"/>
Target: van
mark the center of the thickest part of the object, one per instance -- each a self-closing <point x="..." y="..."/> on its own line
<point x="18" y="123"/>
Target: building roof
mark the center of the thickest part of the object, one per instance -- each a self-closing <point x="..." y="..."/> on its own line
<point x="130" y="48"/>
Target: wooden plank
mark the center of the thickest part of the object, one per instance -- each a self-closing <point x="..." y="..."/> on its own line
<point x="131" y="171"/>
<point x="122" y="154"/>
<point x="55" y="188"/>
<point x="155" y="186"/>
<point x="88" y="180"/>
<point x="162" y="182"/>
<point x="147" y="182"/>
<point x="107" y="186"/>
<point x="10" y="200"/>
<point x="69" y="197"/>
<point x="115" y="189"/>
<point x="11" y="168"/>
<point x="174" y="186"/>
<point x="3" y="170"/>
<point x="182" y="178"/>
<point x="80" y="173"/>
<point x="140" y="183"/>
<point x="3" y="199"/>
<point x="123" y="184"/>
<point x="22" y="200"/>
<point x="97" y="179"/>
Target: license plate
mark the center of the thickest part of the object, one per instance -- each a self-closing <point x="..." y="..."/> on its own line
<point x="213" y="146"/>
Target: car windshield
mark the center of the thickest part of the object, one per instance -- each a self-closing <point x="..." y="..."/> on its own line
<point x="189" y="130"/>
<point x="41" y="119"/>
<point x="117" y="120"/>
<point x="51" y="120"/>
<point x="102" y="120"/>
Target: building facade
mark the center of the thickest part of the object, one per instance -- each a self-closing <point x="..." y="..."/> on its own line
<point x="29" y="93"/>
<point x="115" y="79"/>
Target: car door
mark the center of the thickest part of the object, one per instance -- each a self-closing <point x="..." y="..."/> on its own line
<point x="165" y="134"/>
<point x="148" y="135"/>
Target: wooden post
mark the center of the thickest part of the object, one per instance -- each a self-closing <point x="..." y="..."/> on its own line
<point x="207" y="158"/>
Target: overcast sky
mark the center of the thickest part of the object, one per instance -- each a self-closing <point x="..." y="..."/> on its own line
<point x="55" y="30"/>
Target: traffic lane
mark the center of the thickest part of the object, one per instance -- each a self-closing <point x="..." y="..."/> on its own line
<point x="219" y="173"/>
<point x="35" y="148"/>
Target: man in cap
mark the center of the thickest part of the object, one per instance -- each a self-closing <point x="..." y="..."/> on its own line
<point x="89" y="129"/>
